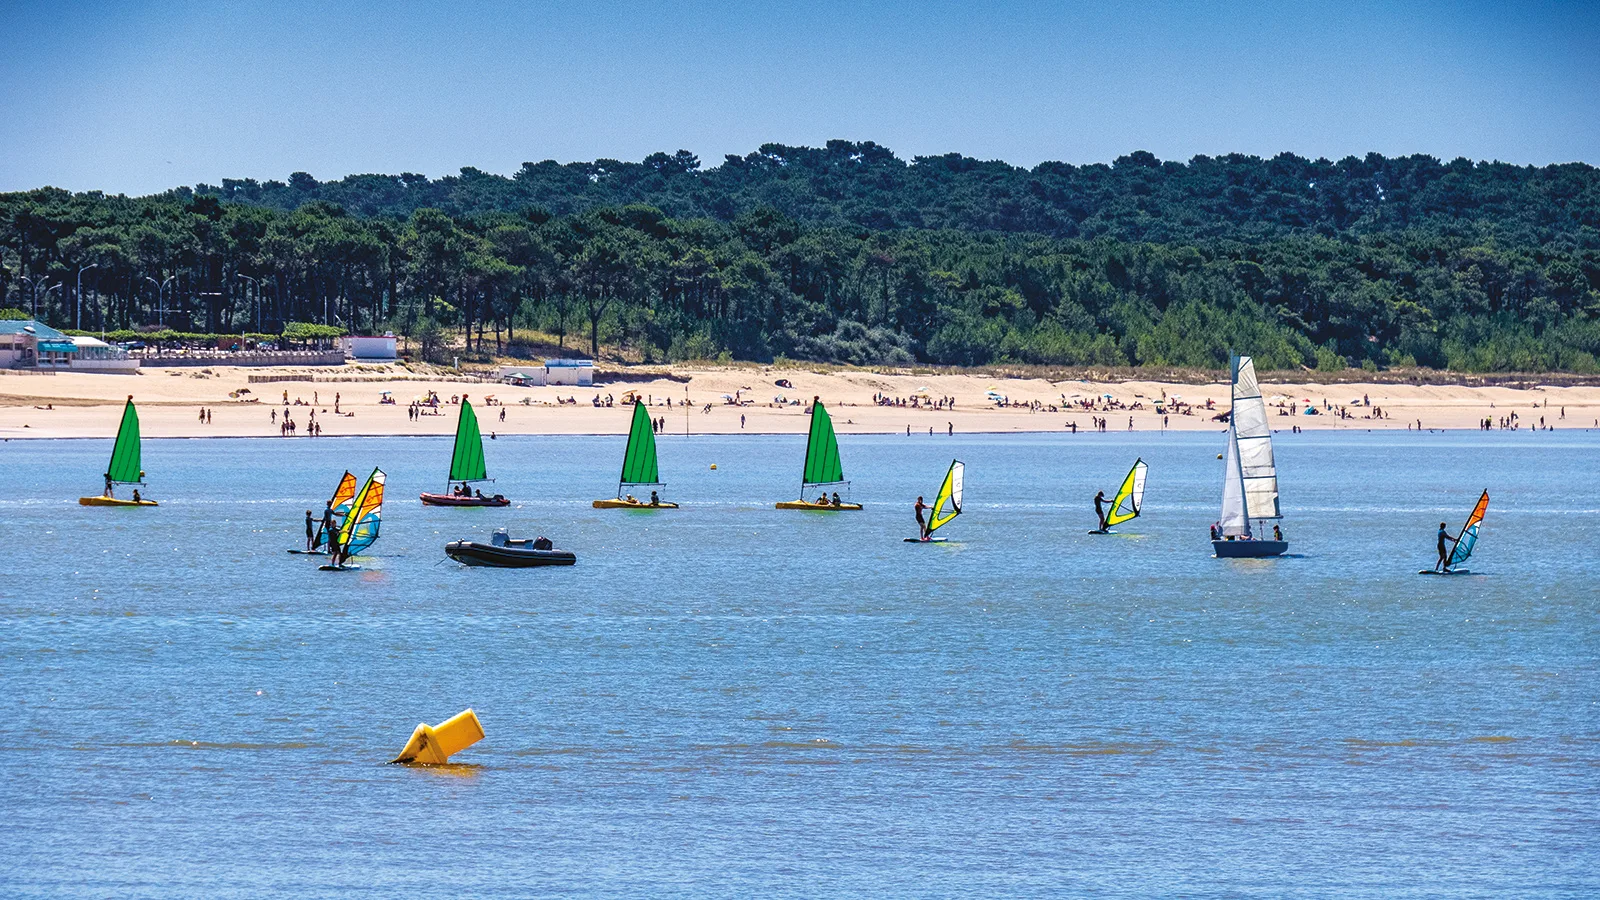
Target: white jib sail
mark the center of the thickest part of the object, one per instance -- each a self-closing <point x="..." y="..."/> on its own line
<point x="1234" y="521"/>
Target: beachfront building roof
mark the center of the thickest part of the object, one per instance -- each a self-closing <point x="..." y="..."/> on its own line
<point x="569" y="371"/>
<point x="371" y="347"/>
<point x="28" y="344"/>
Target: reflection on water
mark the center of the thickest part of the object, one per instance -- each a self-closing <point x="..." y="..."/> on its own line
<point x="731" y="699"/>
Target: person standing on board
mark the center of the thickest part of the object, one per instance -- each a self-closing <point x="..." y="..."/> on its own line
<point x="922" y="525"/>
<point x="1100" y="508"/>
<point x="311" y="534"/>
<point x="329" y="530"/>
<point x="1444" y="552"/>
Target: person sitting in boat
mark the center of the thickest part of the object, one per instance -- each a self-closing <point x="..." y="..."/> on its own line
<point x="543" y="543"/>
<point x="1216" y="534"/>
<point x="479" y="495"/>
<point x="632" y="499"/>
<point x="655" y="499"/>
<point x="836" y="498"/>
<point x="136" y="497"/>
<point x="1444" y="551"/>
<point x="1100" y="508"/>
<point x="1277" y="533"/>
<point x="822" y="500"/>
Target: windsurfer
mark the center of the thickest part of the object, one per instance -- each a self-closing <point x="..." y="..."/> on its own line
<point x="311" y="534"/>
<point x="922" y="525"/>
<point x="1100" y="508"/>
<point x="108" y="484"/>
<point x="1443" y="564"/>
<point x="329" y="530"/>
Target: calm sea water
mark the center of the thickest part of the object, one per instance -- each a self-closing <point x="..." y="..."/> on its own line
<point x="729" y="700"/>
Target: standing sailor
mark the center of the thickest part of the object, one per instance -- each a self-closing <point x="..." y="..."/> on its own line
<point x="1443" y="564"/>
<point x="1100" y="508"/>
<point x="922" y="525"/>
<point x="311" y="534"/>
<point x="330" y="530"/>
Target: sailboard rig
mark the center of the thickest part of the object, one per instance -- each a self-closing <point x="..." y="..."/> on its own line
<point x="946" y="504"/>
<point x="339" y="503"/>
<point x="361" y="525"/>
<point x="1129" y="501"/>
<point x="127" y="465"/>
<point x="639" y="467"/>
<point x="823" y="467"/>
<point x="466" y="466"/>
<point x="1249" y="474"/>
<point x="1465" y="541"/>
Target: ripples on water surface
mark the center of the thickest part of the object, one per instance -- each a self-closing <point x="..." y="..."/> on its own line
<point x="732" y="700"/>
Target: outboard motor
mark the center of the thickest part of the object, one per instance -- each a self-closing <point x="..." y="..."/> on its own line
<point x="500" y="537"/>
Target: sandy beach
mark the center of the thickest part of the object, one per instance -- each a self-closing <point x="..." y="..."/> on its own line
<point x="170" y="400"/>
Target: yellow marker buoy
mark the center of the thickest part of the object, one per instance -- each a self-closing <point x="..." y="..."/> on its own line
<point x="434" y="746"/>
<point x="713" y="465"/>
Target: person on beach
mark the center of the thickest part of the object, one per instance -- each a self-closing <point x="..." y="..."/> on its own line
<point x="922" y="525"/>
<point x="1100" y="508"/>
<point x="1443" y="565"/>
<point x="311" y="534"/>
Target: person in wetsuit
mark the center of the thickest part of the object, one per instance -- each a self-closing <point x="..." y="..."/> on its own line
<point x="311" y="534"/>
<point x="1100" y="508"/>
<point x="329" y="528"/>
<point x="1443" y="564"/>
<point x="922" y="525"/>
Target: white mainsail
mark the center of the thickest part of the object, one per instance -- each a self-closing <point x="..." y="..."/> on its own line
<point x="1250" y="478"/>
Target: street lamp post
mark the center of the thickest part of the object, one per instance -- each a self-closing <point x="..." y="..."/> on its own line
<point x="34" y="281"/>
<point x="77" y="302"/>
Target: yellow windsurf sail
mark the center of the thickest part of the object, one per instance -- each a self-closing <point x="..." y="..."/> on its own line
<point x="947" y="504"/>
<point x="1130" y="497"/>
<point x="360" y="527"/>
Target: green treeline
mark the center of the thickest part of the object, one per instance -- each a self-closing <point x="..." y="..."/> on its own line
<point x="848" y="254"/>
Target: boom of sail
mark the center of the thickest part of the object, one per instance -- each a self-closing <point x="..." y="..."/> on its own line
<point x="1129" y="500"/>
<point x="1468" y="538"/>
<point x="1250" y="477"/>
<point x="947" y="504"/>
<point x="361" y="524"/>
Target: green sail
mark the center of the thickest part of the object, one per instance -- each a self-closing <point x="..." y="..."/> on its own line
<point x="126" y="465"/>
<point x="822" y="450"/>
<point x="467" y="462"/>
<point x="639" y="460"/>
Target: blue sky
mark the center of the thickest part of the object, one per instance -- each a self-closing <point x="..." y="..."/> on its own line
<point x="137" y="97"/>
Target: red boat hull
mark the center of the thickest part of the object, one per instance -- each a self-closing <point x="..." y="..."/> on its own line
<point x="450" y="500"/>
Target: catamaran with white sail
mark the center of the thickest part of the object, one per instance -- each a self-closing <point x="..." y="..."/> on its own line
<point x="1249" y="475"/>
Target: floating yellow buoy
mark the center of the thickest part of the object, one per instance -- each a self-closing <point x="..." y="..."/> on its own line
<point x="434" y="746"/>
<point x="713" y="465"/>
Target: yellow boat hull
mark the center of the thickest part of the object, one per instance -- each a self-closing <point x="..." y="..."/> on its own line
<point x="635" y="504"/>
<point x="817" y="507"/>
<point x="114" y="501"/>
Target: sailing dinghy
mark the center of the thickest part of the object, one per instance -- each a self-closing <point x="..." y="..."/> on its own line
<point x="340" y="504"/>
<point x="126" y="463"/>
<point x="946" y="504"/>
<point x="360" y="527"/>
<point x="823" y="467"/>
<point x="1249" y="475"/>
<point x="1129" y="501"/>
<point x="639" y="467"/>
<point x="1465" y="541"/>
<point x="466" y="466"/>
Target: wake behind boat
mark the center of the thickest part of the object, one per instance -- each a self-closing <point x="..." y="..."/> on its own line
<point x="466" y="466"/>
<point x="823" y="466"/>
<point x="639" y="467"/>
<point x="1249" y="475"/>
<point x="126" y="464"/>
